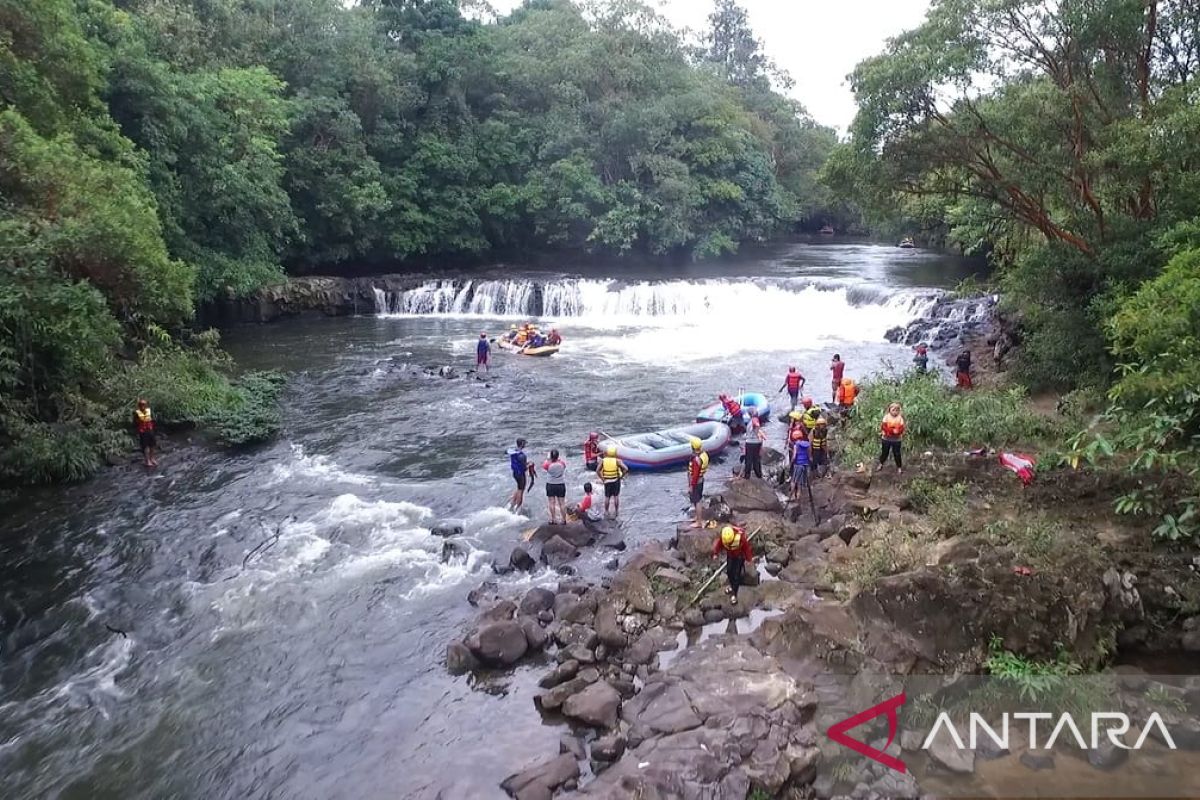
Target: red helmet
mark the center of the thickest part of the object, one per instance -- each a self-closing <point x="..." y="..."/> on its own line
<point x="808" y="402"/>
<point x="791" y="369"/>
<point x="593" y="436"/>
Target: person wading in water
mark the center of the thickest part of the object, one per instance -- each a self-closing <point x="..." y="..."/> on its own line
<point x="143" y="421"/>
<point x="556" y="488"/>
<point x="518" y="462"/>
<point x="610" y="472"/>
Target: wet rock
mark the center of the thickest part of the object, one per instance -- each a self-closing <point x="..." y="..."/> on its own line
<point x="541" y="781"/>
<point x="574" y="586"/>
<point x="596" y="705"/>
<point x="570" y="635"/>
<point x="503" y="610"/>
<point x="1037" y="761"/>
<point x="693" y="618"/>
<point x="579" y="653"/>
<point x="633" y="587"/>
<point x="743" y="495"/>
<point x="779" y="555"/>
<point x="521" y="560"/>
<point x="643" y="650"/>
<point x="481" y="592"/>
<point x="501" y="569"/>
<point x="579" y="609"/>
<point x="663" y="708"/>
<point x="560" y="674"/>
<point x="946" y="755"/>
<point x="719" y="510"/>
<point x="535" y="634"/>
<point x="545" y="617"/>
<point x="447" y="372"/>
<point x="1107" y="755"/>
<point x="552" y="699"/>
<point x="694" y="545"/>
<point x="537" y="600"/>
<point x="608" y="748"/>
<point x="607" y="629"/>
<point x="672" y="576"/>
<point x="633" y="624"/>
<point x="498" y="644"/>
<point x="446" y="529"/>
<point x="625" y="687"/>
<point x="612" y="541"/>
<point x="1190" y="641"/>
<point x="714" y="615"/>
<point x="459" y="659"/>
<point x="558" y="552"/>
<point x="572" y="746"/>
<point x="612" y="564"/>
<point x="601" y="651"/>
<point x="589" y="674"/>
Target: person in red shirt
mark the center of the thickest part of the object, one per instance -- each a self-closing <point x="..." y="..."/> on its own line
<point x="591" y="452"/>
<point x="697" y="467"/>
<point x="734" y="542"/>
<point x="582" y="512"/>
<point x="838" y="368"/>
<point x="794" y="383"/>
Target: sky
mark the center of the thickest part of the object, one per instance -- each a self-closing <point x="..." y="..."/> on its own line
<point x="817" y="41"/>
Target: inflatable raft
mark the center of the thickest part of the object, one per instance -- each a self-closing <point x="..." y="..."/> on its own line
<point x="643" y="452"/>
<point x="750" y="400"/>
<point x="536" y="352"/>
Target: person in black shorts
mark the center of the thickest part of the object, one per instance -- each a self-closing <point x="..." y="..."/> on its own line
<point x="518" y="462"/>
<point x="611" y="471"/>
<point x="556" y="488"/>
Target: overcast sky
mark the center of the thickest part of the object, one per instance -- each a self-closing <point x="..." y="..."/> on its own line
<point x="817" y="42"/>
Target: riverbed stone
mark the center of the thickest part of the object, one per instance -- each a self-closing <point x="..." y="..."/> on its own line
<point x="540" y="781"/>
<point x="535" y="634"/>
<point x="672" y="576"/>
<point x="536" y="600"/>
<point x="596" y="705"/>
<point x="553" y="698"/>
<point x="945" y="754"/>
<point x="744" y="495"/>
<point x="453" y="551"/>
<point x="521" y="560"/>
<point x="572" y="745"/>
<point x="666" y="606"/>
<point x="482" y="592"/>
<point x="500" y="611"/>
<point x="459" y="659"/>
<point x="570" y="635"/>
<point x="498" y="644"/>
<point x="1106" y="755"/>
<point x="632" y="586"/>
<point x="560" y="674"/>
<point x="444" y="529"/>
<point x="608" y="748"/>
<point x="558" y="552"/>
<point x="693" y="618"/>
<point x="714" y="615"/>
<point x="607" y="629"/>
<point x="694" y="544"/>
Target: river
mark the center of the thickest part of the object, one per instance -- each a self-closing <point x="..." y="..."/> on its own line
<point x="285" y="611"/>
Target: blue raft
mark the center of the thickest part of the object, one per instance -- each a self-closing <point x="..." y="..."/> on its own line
<point x="644" y="452"/>
<point x="750" y="400"/>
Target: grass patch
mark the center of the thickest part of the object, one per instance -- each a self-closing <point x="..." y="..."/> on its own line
<point x="939" y="417"/>
<point x="944" y="505"/>
<point x="888" y="550"/>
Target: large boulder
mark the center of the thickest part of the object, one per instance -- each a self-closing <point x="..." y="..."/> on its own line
<point x="749" y="495"/>
<point x="498" y="644"/>
<point x="607" y="629"/>
<point x="632" y="586"/>
<point x="596" y="705"/>
<point x="575" y="533"/>
<point x="536" y="600"/>
<point x="539" y="782"/>
<point x="694" y="544"/>
<point x="557" y="552"/>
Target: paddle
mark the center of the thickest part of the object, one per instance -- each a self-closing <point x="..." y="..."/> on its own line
<point x="713" y="577"/>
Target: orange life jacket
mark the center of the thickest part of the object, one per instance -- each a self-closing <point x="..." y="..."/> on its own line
<point x="847" y="393"/>
<point x="793" y="381"/>
<point x="892" y="427"/>
<point x="733" y="408"/>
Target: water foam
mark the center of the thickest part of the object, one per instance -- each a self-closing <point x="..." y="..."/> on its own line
<point x="318" y="468"/>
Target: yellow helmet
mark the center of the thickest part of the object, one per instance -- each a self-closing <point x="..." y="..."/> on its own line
<point x="512" y="327"/>
<point x="728" y="536"/>
<point x="697" y="445"/>
<point x="611" y="450"/>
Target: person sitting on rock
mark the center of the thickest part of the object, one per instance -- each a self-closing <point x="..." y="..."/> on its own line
<point x="734" y="542"/>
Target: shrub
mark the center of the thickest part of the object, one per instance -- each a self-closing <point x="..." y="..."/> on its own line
<point x="938" y="417"/>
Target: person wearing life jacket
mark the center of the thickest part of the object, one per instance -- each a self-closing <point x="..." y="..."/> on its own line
<point x="818" y="441"/>
<point x="796" y="431"/>
<point x="795" y="437"/>
<point x="522" y="337"/>
<point x="801" y="463"/>
<point x="697" y="468"/>
<point x="794" y="383"/>
<point x="847" y="393"/>
<point x="610" y="472"/>
<point x="591" y="452"/>
<point x="733" y="412"/>
<point x="811" y="415"/>
<point x="891" y="432"/>
<point x="735" y="544"/>
<point x="523" y="474"/>
<point x="143" y="422"/>
<point x="554" y="339"/>
<point x="921" y="359"/>
<point x="838" y="368"/>
<point x="483" y="352"/>
<point x="752" y="449"/>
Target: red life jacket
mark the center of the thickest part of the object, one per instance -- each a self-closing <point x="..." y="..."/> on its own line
<point x="793" y="382"/>
<point x="591" y="451"/>
<point x="733" y="408"/>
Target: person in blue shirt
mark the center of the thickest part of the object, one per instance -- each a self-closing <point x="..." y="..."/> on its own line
<point x="800" y="464"/>
<point x="483" y="351"/>
<point x="518" y="462"/>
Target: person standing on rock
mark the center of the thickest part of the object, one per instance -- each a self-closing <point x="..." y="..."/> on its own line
<point x="794" y="383"/>
<point x="963" y="364"/>
<point x="818" y="442"/>
<point x="801" y="462"/>
<point x="523" y="473"/>
<point x="753" y="448"/>
<point x="847" y="393"/>
<point x="483" y="352"/>
<point x="838" y="368"/>
<point x="892" y="433"/>
<point x="556" y="488"/>
<point x="697" y="467"/>
<point x="734" y="542"/>
<point x="610" y="472"/>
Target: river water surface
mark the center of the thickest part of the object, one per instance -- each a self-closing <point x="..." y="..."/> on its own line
<point x="285" y="610"/>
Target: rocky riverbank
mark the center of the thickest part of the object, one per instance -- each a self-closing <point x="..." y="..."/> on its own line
<point x="666" y="693"/>
<point x="318" y="295"/>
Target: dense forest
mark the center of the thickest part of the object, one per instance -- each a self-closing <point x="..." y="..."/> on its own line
<point x="1063" y="140"/>
<point x="155" y="154"/>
